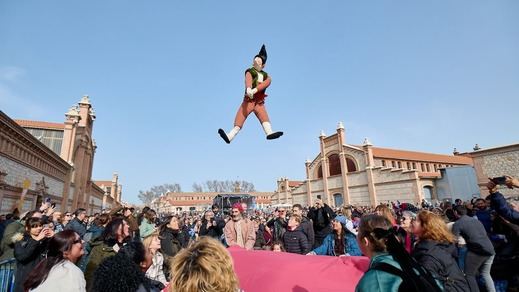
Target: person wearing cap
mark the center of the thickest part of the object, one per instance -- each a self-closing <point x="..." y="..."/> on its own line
<point x="239" y="231"/>
<point x="256" y="82"/>
<point x="341" y="242"/>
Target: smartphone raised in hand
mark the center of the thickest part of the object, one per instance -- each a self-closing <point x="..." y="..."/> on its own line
<point x="500" y="180"/>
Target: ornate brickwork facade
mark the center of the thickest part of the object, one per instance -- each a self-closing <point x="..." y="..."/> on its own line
<point x="494" y="162"/>
<point x="365" y="175"/>
<point x="42" y="159"/>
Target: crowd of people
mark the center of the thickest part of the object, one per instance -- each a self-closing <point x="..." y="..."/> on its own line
<point x="459" y="246"/>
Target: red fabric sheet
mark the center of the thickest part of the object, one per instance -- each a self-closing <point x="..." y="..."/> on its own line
<point x="265" y="271"/>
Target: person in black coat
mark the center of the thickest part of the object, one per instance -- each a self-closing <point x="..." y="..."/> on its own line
<point x="436" y="252"/>
<point x="212" y="226"/>
<point x="294" y="239"/>
<point x="278" y="224"/>
<point x="321" y="216"/>
<point x="172" y="240"/>
<point x="77" y="225"/>
<point x="306" y="224"/>
<point x="30" y="250"/>
<point x="498" y="202"/>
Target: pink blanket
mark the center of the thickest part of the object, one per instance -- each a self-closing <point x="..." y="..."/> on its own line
<point x="265" y="271"/>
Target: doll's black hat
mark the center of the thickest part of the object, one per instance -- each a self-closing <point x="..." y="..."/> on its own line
<point x="262" y="54"/>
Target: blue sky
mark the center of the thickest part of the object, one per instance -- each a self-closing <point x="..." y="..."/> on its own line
<point x="164" y="76"/>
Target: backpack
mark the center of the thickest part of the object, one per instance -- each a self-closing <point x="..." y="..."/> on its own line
<point x="411" y="281"/>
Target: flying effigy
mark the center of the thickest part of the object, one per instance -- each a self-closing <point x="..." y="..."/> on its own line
<point x="256" y="83"/>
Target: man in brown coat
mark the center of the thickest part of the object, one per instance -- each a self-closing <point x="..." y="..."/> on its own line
<point x="239" y="231"/>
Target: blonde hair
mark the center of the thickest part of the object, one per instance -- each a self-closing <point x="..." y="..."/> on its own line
<point x="434" y="227"/>
<point x="205" y="266"/>
<point x="148" y="239"/>
<point x="346" y="211"/>
<point x="297" y="218"/>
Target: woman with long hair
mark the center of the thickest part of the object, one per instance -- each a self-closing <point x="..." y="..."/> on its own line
<point x="58" y="271"/>
<point x="341" y="242"/>
<point x="204" y="266"/>
<point x="30" y="250"/>
<point x="391" y="268"/>
<point x="115" y="235"/>
<point x="372" y="234"/>
<point x="172" y="240"/>
<point x="156" y="270"/>
<point x="436" y="252"/>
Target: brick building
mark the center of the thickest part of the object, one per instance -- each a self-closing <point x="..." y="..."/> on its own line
<point x="200" y="201"/>
<point x="43" y="159"/>
<point x="494" y="162"/>
<point x="344" y="173"/>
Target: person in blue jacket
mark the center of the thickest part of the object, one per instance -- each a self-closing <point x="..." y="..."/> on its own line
<point x="341" y="242"/>
<point x="498" y="202"/>
<point x="377" y="251"/>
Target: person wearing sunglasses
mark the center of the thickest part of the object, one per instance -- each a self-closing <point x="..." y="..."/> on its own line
<point x="58" y="272"/>
<point x="405" y="232"/>
<point x="67" y="217"/>
<point x="278" y="224"/>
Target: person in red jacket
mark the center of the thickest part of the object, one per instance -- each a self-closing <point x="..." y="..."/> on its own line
<point x="256" y="82"/>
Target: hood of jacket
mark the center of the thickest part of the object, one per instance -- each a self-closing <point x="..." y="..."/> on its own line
<point x="426" y="246"/>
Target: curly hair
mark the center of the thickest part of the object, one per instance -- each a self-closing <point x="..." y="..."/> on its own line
<point x="433" y="227"/>
<point x="205" y="266"/>
<point x="121" y="272"/>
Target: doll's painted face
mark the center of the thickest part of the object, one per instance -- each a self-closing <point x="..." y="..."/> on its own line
<point x="258" y="64"/>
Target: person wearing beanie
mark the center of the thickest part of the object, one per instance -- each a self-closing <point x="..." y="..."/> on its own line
<point x="239" y="231"/>
<point x="256" y="83"/>
<point x="341" y="242"/>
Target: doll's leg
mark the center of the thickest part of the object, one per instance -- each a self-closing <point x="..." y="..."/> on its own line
<point x="261" y="113"/>
<point x="243" y="112"/>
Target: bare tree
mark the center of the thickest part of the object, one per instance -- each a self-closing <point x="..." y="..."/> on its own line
<point x="219" y="186"/>
<point x="156" y="191"/>
<point x="146" y="197"/>
<point x="197" y="188"/>
<point x="166" y="188"/>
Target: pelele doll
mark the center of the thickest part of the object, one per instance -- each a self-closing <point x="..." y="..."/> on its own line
<point x="256" y="82"/>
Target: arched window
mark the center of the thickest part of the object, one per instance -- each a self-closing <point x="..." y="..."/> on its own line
<point x="427" y="193"/>
<point x="320" y="172"/>
<point x="335" y="164"/>
<point x="351" y="165"/>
